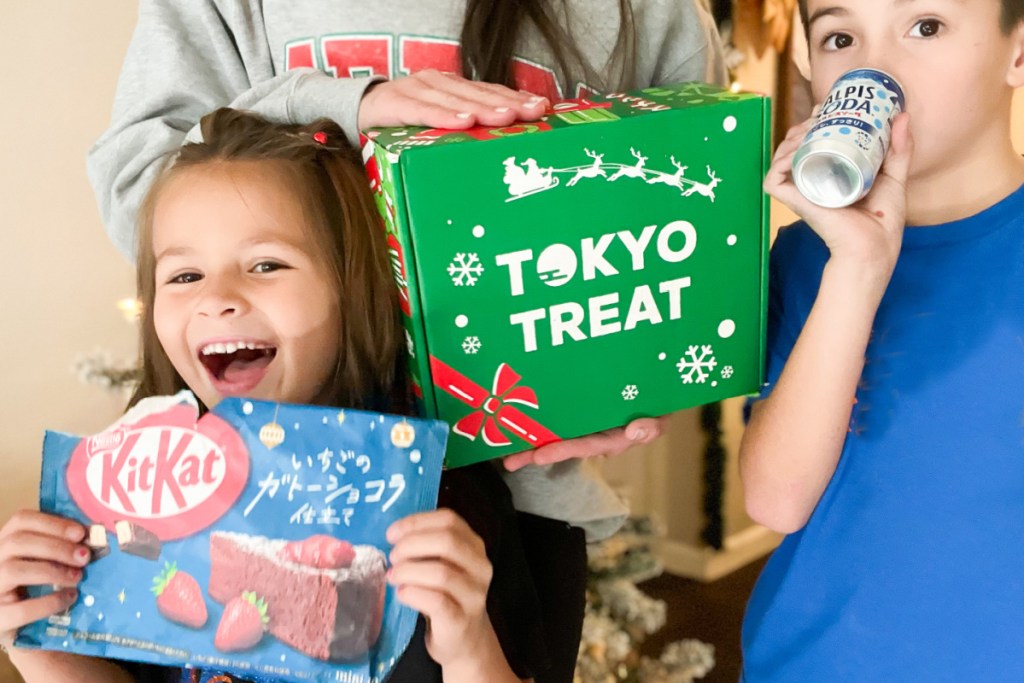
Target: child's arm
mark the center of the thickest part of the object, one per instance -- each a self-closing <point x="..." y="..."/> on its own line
<point x="440" y="567"/>
<point x="186" y="59"/>
<point x="38" y="549"/>
<point x="792" y="444"/>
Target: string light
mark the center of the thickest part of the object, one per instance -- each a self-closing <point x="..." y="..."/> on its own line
<point x="131" y="309"/>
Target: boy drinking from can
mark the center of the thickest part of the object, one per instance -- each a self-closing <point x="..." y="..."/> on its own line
<point x="889" y="439"/>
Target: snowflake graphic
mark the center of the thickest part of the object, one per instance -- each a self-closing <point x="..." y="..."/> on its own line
<point x="727" y="372"/>
<point x="465" y="269"/>
<point x="630" y="392"/>
<point x="696" y="363"/>
<point x="471" y="345"/>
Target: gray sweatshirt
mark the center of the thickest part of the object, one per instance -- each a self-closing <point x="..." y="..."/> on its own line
<point x="295" y="61"/>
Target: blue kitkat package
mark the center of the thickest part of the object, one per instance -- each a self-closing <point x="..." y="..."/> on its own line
<point x="250" y="540"/>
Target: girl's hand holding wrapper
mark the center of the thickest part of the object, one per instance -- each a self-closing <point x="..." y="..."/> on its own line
<point x="440" y="568"/>
<point x="38" y="549"/>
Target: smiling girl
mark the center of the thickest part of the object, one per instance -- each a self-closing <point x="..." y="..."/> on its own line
<point x="262" y="274"/>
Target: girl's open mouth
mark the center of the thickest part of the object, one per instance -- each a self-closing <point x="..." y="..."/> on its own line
<point x="236" y="367"/>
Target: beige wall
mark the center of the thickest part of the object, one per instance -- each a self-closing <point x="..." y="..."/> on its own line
<point x="61" y="278"/>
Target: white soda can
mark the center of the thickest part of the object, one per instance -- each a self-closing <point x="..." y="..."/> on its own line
<point x="838" y="160"/>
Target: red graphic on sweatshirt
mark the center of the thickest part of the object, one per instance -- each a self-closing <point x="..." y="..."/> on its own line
<point x="356" y="56"/>
<point x="418" y="54"/>
<point x="300" y="54"/>
<point x="361" y="55"/>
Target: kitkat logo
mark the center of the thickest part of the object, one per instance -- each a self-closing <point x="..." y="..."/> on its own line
<point x="167" y="472"/>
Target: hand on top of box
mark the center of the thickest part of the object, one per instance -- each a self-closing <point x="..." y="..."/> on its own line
<point x="439" y="100"/>
<point x="607" y="443"/>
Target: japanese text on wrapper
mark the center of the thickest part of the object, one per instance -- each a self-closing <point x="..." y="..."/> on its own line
<point x="340" y="482"/>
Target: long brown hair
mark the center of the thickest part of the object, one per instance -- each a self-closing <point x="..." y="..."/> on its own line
<point x="491" y="28"/>
<point x="326" y="175"/>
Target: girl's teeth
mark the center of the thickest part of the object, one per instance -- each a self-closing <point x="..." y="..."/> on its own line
<point x="230" y="347"/>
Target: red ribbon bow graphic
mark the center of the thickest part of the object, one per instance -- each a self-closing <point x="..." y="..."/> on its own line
<point x="492" y="407"/>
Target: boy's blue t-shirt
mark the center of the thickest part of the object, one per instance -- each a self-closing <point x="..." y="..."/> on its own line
<point x="911" y="567"/>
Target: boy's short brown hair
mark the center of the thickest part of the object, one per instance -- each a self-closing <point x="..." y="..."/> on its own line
<point x="1013" y="14"/>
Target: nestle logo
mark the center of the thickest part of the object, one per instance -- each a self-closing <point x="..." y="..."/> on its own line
<point x="167" y="471"/>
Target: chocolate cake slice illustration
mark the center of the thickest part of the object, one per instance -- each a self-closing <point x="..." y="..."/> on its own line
<point x="324" y="597"/>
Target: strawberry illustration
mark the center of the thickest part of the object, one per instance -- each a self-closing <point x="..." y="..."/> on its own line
<point x="242" y="624"/>
<point x="320" y="551"/>
<point x="178" y="597"/>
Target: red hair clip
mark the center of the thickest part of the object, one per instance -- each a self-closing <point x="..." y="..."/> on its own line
<point x="320" y="137"/>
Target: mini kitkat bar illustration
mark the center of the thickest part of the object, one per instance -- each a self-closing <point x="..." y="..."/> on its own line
<point x="566" y="276"/>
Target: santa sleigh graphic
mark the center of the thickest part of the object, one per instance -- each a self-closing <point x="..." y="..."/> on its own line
<point x="529" y="178"/>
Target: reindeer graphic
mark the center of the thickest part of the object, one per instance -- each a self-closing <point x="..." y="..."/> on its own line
<point x="673" y="179"/>
<point x="632" y="171"/>
<point x="705" y="189"/>
<point x="589" y="171"/>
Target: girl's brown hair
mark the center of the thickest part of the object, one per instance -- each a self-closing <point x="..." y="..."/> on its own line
<point x="491" y="28"/>
<point x="326" y="176"/>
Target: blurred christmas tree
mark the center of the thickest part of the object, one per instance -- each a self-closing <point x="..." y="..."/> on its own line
<point x="100" y="369"/>
<point x="620" y="617"/>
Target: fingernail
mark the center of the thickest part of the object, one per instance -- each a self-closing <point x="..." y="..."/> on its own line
<point x="501" y="110"/>
<point x="533" y="102"/>
<point x="75" y="533"/>
<point x="639" y="435"/>
<point x="82" y="554"/>
<point x="463" y="115"/>
<point x="70" y="594"/>
<point x="75" y="574"/>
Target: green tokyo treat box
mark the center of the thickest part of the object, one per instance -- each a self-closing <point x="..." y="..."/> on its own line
<point x="567" y="276"/>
